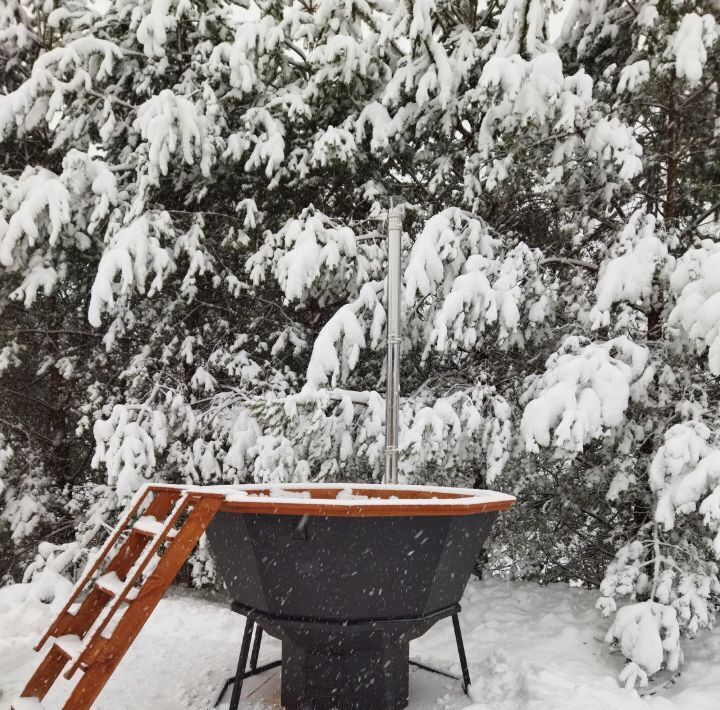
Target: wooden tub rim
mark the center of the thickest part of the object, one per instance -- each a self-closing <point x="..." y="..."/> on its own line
<point x="386" y="501"/>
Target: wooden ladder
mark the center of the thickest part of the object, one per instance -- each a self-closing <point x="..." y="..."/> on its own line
<point x="140" y="559"/>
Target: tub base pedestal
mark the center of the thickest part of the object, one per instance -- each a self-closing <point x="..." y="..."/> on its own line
<point x="372" y="675"/>
<point x="328" y="665"/>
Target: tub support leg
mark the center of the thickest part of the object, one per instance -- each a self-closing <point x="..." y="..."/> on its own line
<point x="461" y="652"/>
<point x="256" y="648"/>
<point x="242" y="664"/>
<point x="465" y="679"/>
<point x="237" y="680"/>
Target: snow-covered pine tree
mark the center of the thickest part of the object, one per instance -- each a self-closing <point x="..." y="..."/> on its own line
<point x="655" y="65"/>
<point x="193" y="197"/>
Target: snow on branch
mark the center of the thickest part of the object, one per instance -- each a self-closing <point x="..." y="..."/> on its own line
<point x="690" y="43"/>
<point x="685" y="476"/>
<point x="89" y="177"/>
<point x="131" y="251"/>
<point x="312" y="256"/>
<point x="169" y="123"/>
<point x="250" y="56"/>
<point x="440" y="251"/>
<point x="55" y="73"/>
<point x="38" y="201"/>
<point x="263" y="136"/>
<point x="585" y="390"/>
<point x="153" y="19"/>
<point x="465" y="288"/>
<point x="25" y="511"/>
<point x="126" y="442"/>
<point x="377" y="117"/>
<point x="696" y="283"/>
<point x="610" y="140"/>
<point x="629" y="276"/>
<point x="516" y="83"/>
<point x="27" y="504"/>
<point x="452" y="279"/>
<point x="458" y="437"/>
<point x="633" y="76"/>
<point x="333" y="145"/>
<point x="343" y="58"/>
<point x="275" y="461"/>
<point x="503" y="291"/>
<point x="337" y="346"/>
<point x="538" y="93"/>
<point x="312" y="247"/>
<point x="455" y="432"/>
<point x="666" y="562"/>
<point x="6" y="453"/>
<point x="37" y="276"/>
<point x="647" y="633"/>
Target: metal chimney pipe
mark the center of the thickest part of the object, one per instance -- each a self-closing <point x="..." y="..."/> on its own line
<point x="393" y="345"/>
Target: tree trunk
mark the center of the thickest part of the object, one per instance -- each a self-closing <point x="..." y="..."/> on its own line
<point x="673" y="191"/>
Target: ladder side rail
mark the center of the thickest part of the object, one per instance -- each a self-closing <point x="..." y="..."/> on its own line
<point x="135" y="504"/>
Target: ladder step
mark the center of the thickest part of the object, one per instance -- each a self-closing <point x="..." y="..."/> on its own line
<point x="90" y="651"/>
<point x="70" y="645"/>
<point x="112" y="585"/>
<point x="151" y="527"/>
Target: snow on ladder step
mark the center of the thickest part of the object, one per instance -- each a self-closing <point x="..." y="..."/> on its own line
<point x="112" y="584"/>
<point x="109" y="630"/>
<point x="70" y="645"/>
<point x="27" y="704"/>
<point x="147" y="525"/>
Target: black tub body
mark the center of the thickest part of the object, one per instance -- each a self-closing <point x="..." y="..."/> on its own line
<point x="346" y="594"/>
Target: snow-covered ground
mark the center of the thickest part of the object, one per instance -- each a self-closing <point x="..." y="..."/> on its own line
<point x="529" y="648"/>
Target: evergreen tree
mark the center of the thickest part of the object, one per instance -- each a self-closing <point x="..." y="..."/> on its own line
<point x="191" y="236"/>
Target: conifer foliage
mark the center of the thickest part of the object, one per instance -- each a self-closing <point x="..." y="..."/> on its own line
<point x="192" y="205"/>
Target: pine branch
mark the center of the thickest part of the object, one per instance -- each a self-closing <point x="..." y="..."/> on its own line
<point x="569" y="262"/>
<point x="698" y="222"/>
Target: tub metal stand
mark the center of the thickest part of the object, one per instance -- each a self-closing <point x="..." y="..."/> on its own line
<point x="243" y="672"/>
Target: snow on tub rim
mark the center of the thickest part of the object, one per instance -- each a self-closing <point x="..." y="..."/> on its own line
<point x="360" y="500"/>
